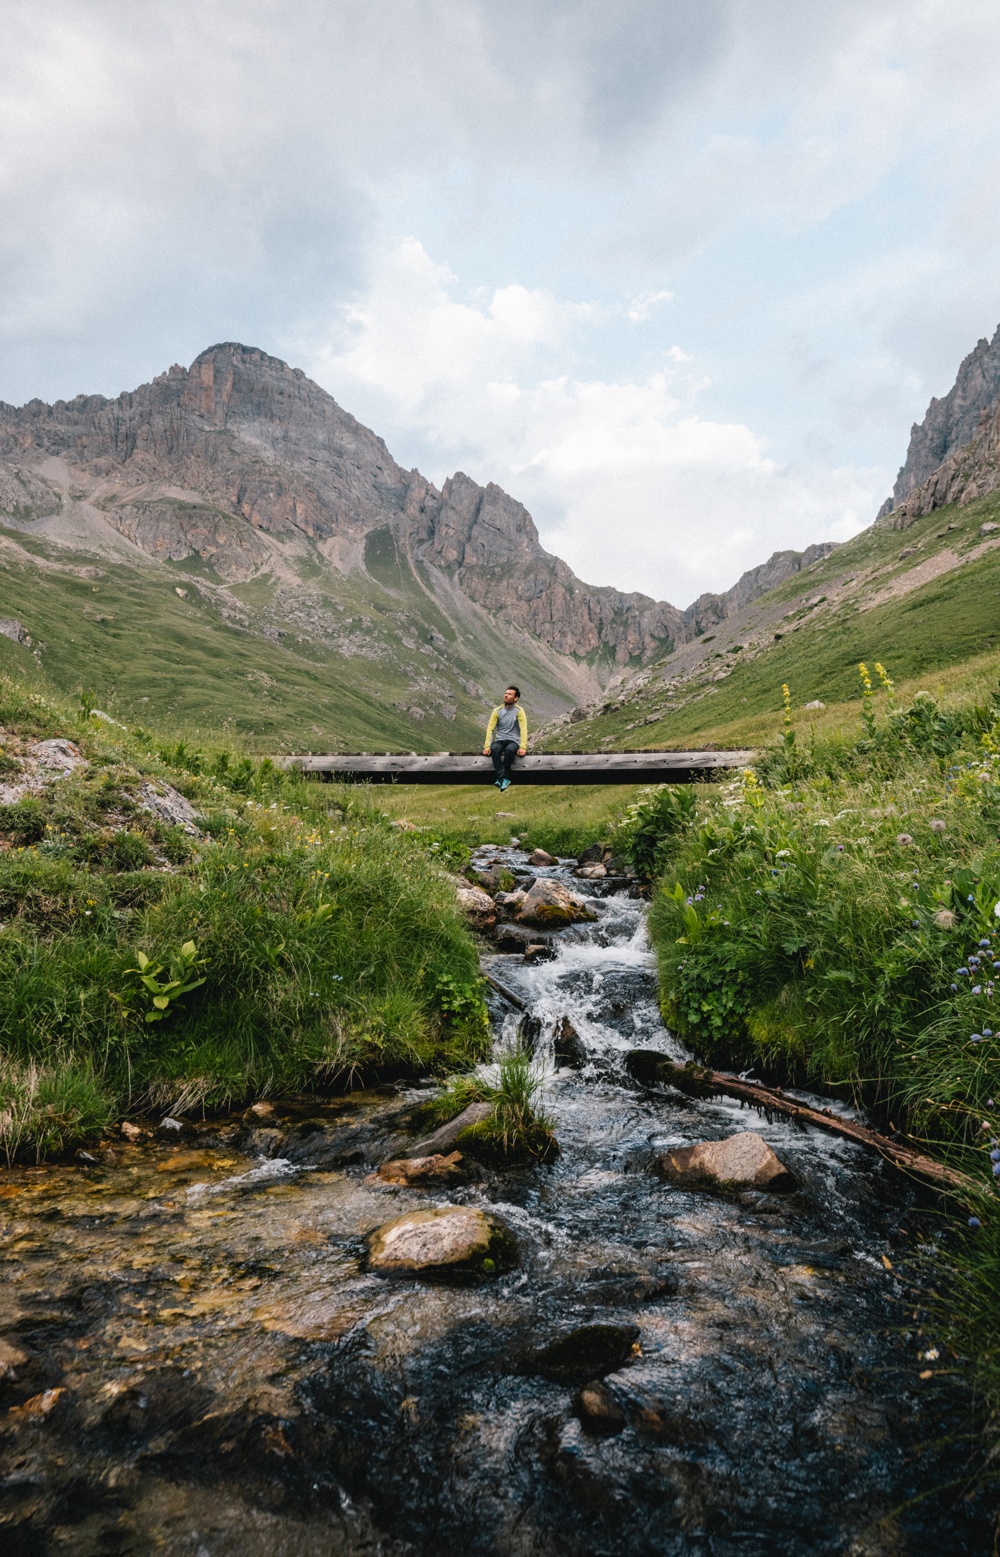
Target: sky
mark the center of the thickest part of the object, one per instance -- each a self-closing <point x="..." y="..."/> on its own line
<point x="677" y="274"/>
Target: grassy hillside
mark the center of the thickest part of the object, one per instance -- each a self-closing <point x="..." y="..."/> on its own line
<point x="562" y="818"/>
<point x="355" y="662"/>
<point x="293" y="938"/>
<point x="863" y="602"/>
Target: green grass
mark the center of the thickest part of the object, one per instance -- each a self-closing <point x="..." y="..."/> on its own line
<point x="516" y="1127"/>
<point x="327" y="941"/>
<point x="561" y="818"/>
<point x="178" y="665"/>
<point x="931" y="633"/>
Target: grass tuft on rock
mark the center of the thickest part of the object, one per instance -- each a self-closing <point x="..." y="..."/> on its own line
<point x="516" y="1128"/>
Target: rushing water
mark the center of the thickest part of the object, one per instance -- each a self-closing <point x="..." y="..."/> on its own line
<point x="195" y="1361"/>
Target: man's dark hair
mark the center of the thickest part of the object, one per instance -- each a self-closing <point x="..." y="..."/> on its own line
<point x="513" y="688"/>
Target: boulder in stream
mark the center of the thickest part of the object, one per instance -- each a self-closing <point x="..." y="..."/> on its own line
<point x="541" y="857"/>
<point x="744" y="1160"/>
<point x="457" y="1242"/>
<point x="568" y="1048"/>
<point x="550" y="903"/>
<point x="595" y="872"/>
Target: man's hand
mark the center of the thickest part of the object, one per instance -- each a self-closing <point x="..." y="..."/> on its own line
<point x="522" y="751"/>
<point x="486" y="751"/>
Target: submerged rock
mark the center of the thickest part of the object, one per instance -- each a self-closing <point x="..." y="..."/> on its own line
<point x="434" y="1169"/>
<point x="550" y="903"/>
<point x="744" y="1159"/>
<point x="455" y="1241"/>
<point x="598" y="1409"/>
<point x="587" y="1352"/>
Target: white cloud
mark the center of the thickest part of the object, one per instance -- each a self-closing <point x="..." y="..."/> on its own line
<point x="630" y="484"/>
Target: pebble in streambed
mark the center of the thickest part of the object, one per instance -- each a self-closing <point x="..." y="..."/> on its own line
<point x="198" y="1357"/>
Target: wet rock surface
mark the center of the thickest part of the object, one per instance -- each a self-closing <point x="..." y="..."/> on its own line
<point x="551" y="903"/>
<point x="446" y="1242"/>
<point x="745" y="1160"/>
<point x="196" y="1360"/>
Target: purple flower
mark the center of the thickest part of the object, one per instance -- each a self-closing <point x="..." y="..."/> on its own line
<point x="977" y="989"/>
<point x="961" y="972"/>
<point x="955" y="988"/>
<point x="974" y="1221"/>
<point x="987" y="1032"/>
<point x="976" y="1038"/>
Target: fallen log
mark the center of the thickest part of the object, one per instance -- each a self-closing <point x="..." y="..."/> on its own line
<point x="508" y="994"/>
<point x="649" y="1066"/>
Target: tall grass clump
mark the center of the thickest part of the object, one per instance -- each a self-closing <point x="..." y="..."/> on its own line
<point x="516" y="1127"/>
<point x="290" y="937"/>
<point x="841" y="927"/>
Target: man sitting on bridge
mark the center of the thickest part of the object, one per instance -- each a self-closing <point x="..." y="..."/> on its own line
<point x="502" y="743"/>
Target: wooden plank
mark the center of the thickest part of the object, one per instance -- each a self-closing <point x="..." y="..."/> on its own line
<point x="636" y="767"/>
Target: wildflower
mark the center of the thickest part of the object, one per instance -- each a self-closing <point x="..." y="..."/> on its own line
<point x="977" y="989"/>
<point x="936" y="825"/>
<point x="976" y="1038"/>
<point x="960" y="971"/>
<point x="904" y="840"/>
<point x="974" y="1221"/>
<point x="984" y="943"/>
<point x="945" y="919"/>
<point x="987" y="1032"/>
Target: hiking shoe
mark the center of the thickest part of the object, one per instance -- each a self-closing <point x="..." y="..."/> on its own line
<point x="504" y="784"/>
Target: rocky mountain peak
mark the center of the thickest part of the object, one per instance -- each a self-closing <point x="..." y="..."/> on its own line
<point x="951" y="422"/>
<point x="239" y="450"/>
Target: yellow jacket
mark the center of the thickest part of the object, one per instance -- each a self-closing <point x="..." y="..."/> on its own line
<point x="522" y="725"/>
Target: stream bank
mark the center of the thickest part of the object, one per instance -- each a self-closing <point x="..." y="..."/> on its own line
<point x="197" y="1359"/>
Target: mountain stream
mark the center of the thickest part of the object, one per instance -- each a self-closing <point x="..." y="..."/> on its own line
<point x="194" y="1359"/>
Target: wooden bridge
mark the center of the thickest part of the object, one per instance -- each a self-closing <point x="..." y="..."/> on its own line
<point x="617" y="767"/>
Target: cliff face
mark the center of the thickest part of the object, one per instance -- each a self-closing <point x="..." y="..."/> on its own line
<point x="972" y="472"/>
<point x="950" y="423"/>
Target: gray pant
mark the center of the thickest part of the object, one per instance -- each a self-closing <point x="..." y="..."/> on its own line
<point x="503" y="754"/>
